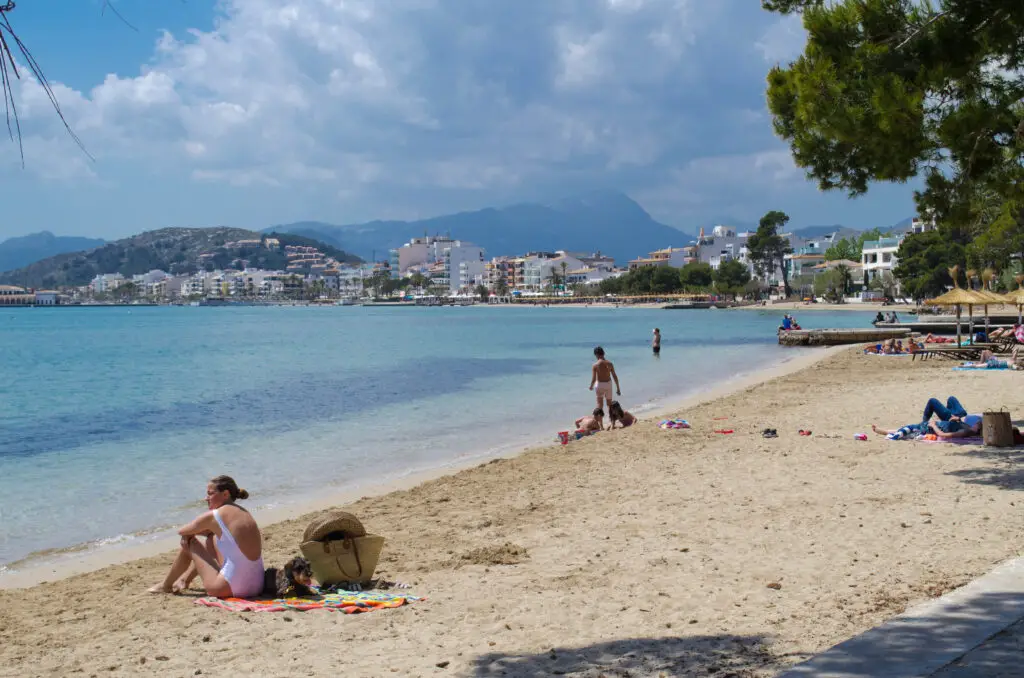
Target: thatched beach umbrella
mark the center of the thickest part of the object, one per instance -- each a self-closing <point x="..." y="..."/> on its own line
<point x="1016" y="297"/>
<point x="959" y="298"/>
<point x="987" y="294"/>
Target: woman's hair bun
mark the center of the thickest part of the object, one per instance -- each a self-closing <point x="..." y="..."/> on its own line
<point x="243" y="494"/>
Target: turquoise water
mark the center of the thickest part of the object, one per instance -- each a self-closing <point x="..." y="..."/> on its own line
<point x="112" y="419"/>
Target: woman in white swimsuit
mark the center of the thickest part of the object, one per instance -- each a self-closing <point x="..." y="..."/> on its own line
<point x="230" y="562"/>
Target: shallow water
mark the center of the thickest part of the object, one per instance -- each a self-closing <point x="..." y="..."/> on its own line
<point x="111" y="419"/>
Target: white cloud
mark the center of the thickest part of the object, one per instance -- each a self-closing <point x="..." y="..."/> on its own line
<point x="784" y="40"/>
<point x="366" y="99"/>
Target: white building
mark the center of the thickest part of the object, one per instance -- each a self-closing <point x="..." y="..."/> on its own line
<point x="464" y="264"/>
<point x="106" y="282"/>
<point x="418" y="252"/>
<point x="879" y="256"/>
<point x="676" y="257"/>
<point x="47" y="297"/>
<point x="724" y="244"/>
<point x="589" y="275"/>
<point x="154" y="276"/>
<point x="919" y="225"/>
<point x="463" y="261"/>
<point x="539" y="266"/>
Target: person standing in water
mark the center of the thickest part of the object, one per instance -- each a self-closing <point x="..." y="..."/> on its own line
<point x="656" y="342"/>
<point x="602" y="374"/>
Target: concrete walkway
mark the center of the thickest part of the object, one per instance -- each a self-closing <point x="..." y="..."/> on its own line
<point x="1002" y="656"/>
<point x="974" y="631"/>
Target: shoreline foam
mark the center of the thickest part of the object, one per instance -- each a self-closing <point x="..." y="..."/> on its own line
<point x="39" y="568"/>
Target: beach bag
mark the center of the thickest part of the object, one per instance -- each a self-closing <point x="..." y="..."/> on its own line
<point x="339" y="550"/>
<point x="997" y="429"/>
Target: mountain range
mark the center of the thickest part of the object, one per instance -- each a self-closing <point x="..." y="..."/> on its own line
<point x="608" y="221"/>
<point x="28" y="249"/>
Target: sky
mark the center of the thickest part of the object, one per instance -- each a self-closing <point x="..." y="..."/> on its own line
<point x="252" y="113"/>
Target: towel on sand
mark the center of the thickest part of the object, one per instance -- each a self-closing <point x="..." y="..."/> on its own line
<point x="954" y="441"/>
<point x="349" y="602"/>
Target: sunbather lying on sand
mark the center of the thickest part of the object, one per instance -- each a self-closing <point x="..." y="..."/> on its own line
<point x="892" y="347"/>
<point x="953" y="422"/>
<point x="595" y="422"/>
<point x="932" y="339"/>
<point x="988" y="361"/>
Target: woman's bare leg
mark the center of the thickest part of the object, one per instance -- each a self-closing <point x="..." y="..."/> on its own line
<point x="208" y="569"/>
<point x="186" y="579"/>
<point x="182" y="563"/>
<point x="881" y="431"/>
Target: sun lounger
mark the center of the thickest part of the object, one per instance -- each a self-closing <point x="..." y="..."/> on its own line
<point x="961" y="353"/>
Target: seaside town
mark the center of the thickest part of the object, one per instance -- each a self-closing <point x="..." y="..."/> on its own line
<point x="432" y="269"/>
<point x="779" y="477"/>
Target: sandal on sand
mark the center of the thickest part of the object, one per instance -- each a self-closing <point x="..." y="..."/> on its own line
<point x="769" y="433"/>
<point x="725" y="431"/>
<point x="804" y="433"/>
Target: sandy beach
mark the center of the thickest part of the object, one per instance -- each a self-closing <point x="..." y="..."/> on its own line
<point x="639" y="552"/>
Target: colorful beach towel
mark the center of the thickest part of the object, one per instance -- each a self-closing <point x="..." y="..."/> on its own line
<point x="953" y="441"/>
<point x="991" y="365"/>
<point x="674" y="424"/>
<point x="349" y="602"/>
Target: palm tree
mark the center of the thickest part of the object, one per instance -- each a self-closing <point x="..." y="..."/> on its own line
<point x="844" y="279"/>
<point x="564" y="266"/>
<point x="553" y="279"/>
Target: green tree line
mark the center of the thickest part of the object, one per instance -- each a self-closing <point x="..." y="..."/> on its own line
<point x="731" y="278"/>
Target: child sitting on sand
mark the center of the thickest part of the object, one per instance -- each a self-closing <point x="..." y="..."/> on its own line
<point x="617" y="414"/>
<point x="593" y="423"/>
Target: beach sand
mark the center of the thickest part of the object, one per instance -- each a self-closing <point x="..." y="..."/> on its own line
<point x="647" y="552"/>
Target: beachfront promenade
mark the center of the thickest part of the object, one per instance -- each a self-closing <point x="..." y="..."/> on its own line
<point x="640" y="552"/>
<point x="976" y="631"/>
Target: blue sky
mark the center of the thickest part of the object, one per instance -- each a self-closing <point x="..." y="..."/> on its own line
<point x="258" y="112"/>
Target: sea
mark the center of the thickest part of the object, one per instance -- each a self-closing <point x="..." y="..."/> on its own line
<point x="113" y="418"/>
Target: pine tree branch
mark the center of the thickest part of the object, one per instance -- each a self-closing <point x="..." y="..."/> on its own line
<point x="921" y="28"/>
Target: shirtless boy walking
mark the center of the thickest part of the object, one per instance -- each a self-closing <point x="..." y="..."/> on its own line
<point x="602" y="375"/>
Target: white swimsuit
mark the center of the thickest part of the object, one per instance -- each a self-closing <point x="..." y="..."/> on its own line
<point x="244" y="576"/>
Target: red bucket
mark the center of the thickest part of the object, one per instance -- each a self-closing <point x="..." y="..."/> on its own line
<point x="564" y="437"/>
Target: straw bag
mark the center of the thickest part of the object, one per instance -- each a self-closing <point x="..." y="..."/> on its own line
<point x="997" y="429"/>
<point x="340" y="551"/>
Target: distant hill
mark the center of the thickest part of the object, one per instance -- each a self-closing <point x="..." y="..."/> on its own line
<point x="175" y="250"/>
<point x="28" y="249"/>
<point x="901" y="226"/>
<point x="601" y="220"/>
<point x="811" y="232"/>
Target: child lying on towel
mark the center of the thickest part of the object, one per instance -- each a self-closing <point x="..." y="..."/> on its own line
<point x="591" y="424"/>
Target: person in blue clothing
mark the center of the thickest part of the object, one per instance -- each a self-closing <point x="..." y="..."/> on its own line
<point x="952" y="421"/>
<point x="787" y="322"/>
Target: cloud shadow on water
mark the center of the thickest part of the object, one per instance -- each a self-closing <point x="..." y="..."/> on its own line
<point x="282" y="405"/>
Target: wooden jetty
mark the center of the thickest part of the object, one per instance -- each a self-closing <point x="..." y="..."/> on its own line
<point x="838" y="337"/>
